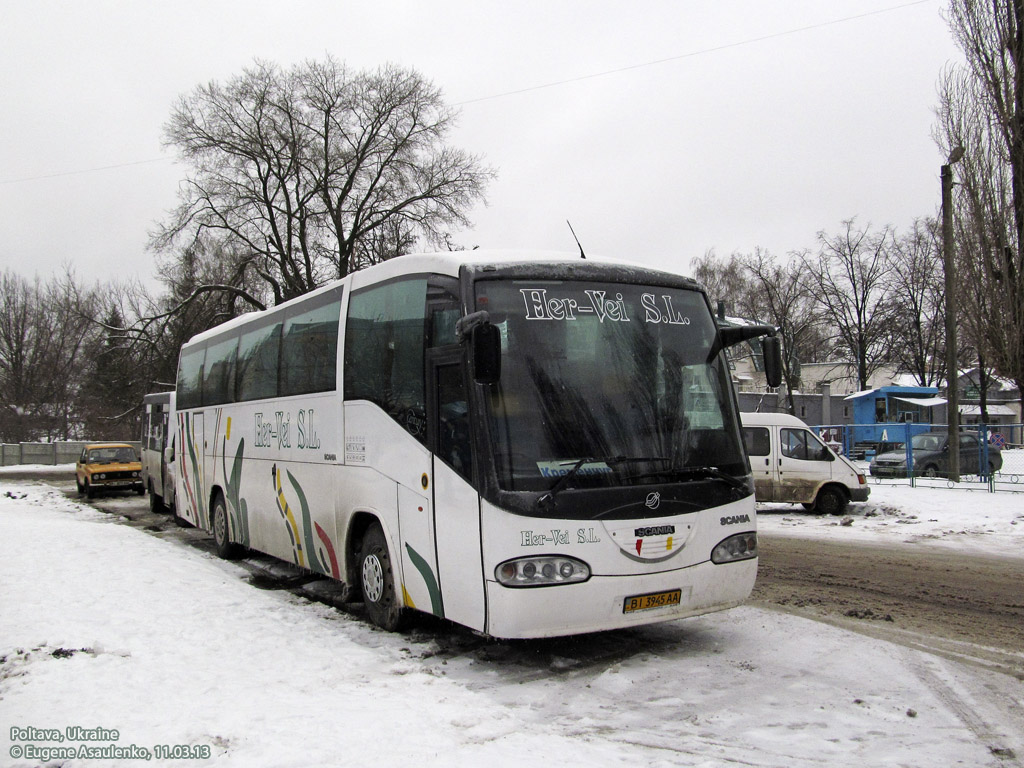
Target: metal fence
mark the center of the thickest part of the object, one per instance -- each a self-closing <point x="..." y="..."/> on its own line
<point x="991" y="455"/>
<point x="48" y="454"/>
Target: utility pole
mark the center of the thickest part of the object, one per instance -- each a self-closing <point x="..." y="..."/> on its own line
<point x="952" y="372"/>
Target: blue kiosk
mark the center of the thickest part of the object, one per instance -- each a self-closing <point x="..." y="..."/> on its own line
<point x="887" y="416"/>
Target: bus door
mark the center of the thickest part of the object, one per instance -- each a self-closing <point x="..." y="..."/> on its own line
<point x="191" y="467"/>
<point x="456" y="501"/>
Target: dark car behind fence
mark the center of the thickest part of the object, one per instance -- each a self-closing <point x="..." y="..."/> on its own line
<point x="991" y="455"/>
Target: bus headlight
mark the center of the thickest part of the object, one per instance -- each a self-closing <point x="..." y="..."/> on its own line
<point x="742" y="546"/>
<point x="544" y="571"/>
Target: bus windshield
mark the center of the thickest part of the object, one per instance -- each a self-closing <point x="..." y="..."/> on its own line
<point x="613" y="384"/>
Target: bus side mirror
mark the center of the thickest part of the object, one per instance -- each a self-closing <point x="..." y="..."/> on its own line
<point x="772" y="348"/>
<point x="486" y="342"/>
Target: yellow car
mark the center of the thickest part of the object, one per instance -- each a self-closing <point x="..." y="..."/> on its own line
<point x="109" y="467"/>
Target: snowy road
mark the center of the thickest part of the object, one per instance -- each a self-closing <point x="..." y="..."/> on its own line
<point x="969" y="606"/>
<point x="107" y="626"/>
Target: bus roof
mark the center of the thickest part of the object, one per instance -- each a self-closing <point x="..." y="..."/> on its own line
<point x="443" y="263"/>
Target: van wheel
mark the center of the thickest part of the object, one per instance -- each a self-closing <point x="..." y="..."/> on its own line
<point x="931" y="471"/>
<point x="226" y="548"/>
<point x="377" y="581"/>
<point x="830" y="501"/>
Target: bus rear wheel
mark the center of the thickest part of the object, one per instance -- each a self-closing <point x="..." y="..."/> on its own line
<point x="377" y="581"/>
<point x="226" y="548"/>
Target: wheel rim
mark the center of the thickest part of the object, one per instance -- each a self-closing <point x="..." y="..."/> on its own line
<point x="220" y="525"/>
<point x="373" y="579"/>
<point x="930" y="472"/>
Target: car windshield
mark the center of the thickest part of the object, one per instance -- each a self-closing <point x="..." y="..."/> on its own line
<point x="927" y="442"/>
<point x="112" y="455"/>
<point x="613" y="384"/>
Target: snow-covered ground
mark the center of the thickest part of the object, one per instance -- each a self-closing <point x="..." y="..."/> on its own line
<point x="106" y="626"/>
<point x="970" y="520"/>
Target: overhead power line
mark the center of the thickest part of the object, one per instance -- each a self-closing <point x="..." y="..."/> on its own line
<point x="556" y="83"/>
<point x="85" y="170"/>
<point x="692" y="54"/>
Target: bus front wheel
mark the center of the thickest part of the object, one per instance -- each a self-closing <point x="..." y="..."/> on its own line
<point x="377" y="581"/>
<point x="226" y="548"/>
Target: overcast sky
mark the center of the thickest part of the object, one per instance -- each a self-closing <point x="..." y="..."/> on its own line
<point x="761" y="123"/>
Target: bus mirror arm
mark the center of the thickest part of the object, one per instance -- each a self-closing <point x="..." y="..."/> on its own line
<point x="485" y="342"/>
<point x="771" y="346"/>
<point x="465" y="326"/>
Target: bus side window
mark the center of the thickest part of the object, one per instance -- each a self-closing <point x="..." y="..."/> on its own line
<point x="384" y="351"/>
<point x="309" y="350"/>
<point x="258" y="353"/>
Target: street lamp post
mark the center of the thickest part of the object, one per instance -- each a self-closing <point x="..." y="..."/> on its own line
<point x="952" y="373"/>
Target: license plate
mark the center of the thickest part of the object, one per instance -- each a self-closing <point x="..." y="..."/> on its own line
<point x="653" y="600"/>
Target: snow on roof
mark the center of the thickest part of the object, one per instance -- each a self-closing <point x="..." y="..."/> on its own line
<point x="926" y="402"/>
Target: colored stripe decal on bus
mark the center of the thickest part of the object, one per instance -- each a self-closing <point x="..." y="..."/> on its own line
<point x="436" y="605"/>
<point x="286" y="513"/>
<point x="322" y="534"/>
<point x="237" y="507"/>
<point x="307" y="527"/>
<point x="316" y="558"/>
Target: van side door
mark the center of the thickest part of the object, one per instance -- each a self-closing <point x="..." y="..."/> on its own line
<point x="757" y="441"/>
<point x="804" y="464"/>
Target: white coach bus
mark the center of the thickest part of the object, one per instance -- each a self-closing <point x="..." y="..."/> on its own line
<point x="530" y="446"/>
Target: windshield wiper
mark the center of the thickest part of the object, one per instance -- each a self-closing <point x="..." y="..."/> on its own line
<point x="567" y="478"/>
<point x="704" y="473"/>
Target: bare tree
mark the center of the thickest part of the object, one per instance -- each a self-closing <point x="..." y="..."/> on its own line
<point x="917" y="296"/>
<point x="723" y="279"/>
<point x="981" y="109"/>
<point x="306" y="174"/>
<point x="41" y="341"/>
<point x="777" y="295"/>
<point x="847" y="280"/>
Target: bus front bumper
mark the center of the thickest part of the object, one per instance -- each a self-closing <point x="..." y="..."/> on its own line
<point x="601" y="602"/>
